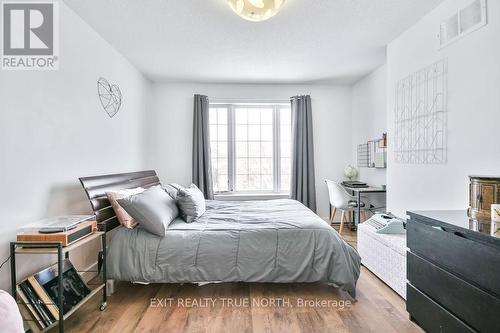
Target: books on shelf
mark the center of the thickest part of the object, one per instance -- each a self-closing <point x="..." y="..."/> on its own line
<point x="35" y="304"/>
<point x="53" y="309"/>
<point x="28" y="312"/>
<point x="39" y="294"/>
<point x="74" y="289"/>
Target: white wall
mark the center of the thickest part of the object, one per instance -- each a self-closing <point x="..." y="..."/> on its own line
<point x="54" y="130"/>
<point x="369" y="118"/>
<point x="170" y="126"/>
<point x="473" y="110"/>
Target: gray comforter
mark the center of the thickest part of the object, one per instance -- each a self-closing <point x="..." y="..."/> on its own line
<point x="252" y="241"/>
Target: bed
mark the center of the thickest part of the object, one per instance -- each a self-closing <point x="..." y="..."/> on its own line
<point x="279" y="241"/>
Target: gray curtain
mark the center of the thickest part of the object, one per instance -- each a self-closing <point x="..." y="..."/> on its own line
<point x="202" y="170"/>
<point x="303" y="187"/>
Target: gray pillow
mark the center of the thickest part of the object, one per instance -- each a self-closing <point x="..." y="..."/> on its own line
<point x="154" y="209"/>
<point x="172" y="189"/>
<point x="191" y="202"/>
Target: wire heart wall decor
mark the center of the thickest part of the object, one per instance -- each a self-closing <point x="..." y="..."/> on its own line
<point x="110" y="96"/>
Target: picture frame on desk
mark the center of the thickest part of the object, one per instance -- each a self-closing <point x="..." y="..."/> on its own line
<point x="495" y="220"/>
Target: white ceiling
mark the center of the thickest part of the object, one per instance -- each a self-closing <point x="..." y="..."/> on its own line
<point x="204" y="41"/>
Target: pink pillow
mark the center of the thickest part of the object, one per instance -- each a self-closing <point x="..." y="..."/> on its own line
<point x="10" y="318"/>
<point x="123" y="217"/>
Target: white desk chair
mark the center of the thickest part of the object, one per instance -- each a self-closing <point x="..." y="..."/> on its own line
<point x="341" y="199"/>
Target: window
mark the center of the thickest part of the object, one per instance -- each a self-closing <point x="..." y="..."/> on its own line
<point x="250" y="147"/>
<point x="218" y="129"/>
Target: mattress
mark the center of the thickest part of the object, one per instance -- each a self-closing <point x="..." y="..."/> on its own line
<point x="278" y="241"/>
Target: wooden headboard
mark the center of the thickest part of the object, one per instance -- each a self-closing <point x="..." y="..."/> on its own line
<point x="96" y="188"/>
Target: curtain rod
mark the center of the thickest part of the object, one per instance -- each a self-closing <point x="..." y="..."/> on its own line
<point x="253" y="100"/>
<point x="249" y="100"/>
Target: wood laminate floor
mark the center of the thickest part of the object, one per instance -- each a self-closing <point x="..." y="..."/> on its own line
<point x="247" y="307"/>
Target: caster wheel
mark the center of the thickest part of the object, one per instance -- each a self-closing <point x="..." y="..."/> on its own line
<point x="103" y="306"/>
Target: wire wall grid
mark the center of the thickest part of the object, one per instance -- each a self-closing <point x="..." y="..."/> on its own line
<point x="363" y="155"/>
<point x="421" y="116"/>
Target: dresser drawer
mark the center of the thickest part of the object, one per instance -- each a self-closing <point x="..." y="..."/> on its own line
<point x="473" y="261"/>
<point x="431" y="316"/>
<point x="473" y="306"/>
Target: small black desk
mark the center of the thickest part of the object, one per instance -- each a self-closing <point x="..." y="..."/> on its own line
<point x="358" y="191"/>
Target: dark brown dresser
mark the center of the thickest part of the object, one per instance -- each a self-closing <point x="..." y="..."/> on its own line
<point x="453" y="269"/>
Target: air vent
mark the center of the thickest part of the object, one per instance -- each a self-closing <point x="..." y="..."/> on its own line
<point x="463" y="22"/>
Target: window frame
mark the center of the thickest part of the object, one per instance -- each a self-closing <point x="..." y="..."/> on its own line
<point x="231" y="146"/>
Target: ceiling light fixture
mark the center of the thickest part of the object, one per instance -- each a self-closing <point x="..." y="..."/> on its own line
<point x="256" y="10"/>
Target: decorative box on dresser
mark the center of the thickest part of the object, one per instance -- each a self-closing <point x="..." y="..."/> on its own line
<point x="483" y="192"/>
<point x="453" y="270"/>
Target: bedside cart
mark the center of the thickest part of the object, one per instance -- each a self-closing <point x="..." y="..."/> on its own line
<point x="57" y="248"/>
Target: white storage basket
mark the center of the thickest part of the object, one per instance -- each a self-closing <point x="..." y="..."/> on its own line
<point x="384" y="255"/>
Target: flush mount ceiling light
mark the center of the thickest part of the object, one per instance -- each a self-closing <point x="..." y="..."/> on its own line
<point x="256" y="10"/>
